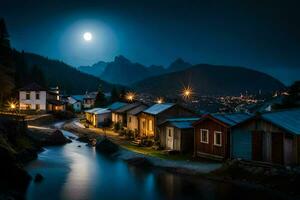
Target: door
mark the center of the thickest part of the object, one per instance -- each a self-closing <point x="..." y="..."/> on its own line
<point x="170" y="138"/>
<point x="241" y="144"/>
<point x="288" y="151"/>
<point x="267" y="147"/>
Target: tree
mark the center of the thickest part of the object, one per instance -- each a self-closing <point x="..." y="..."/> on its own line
<point x="122" y="94"/>
<point x="37" y="76"/>
<point x="114" y="95"/>
<point x="6" y="64"/>
<point x="101" y="100"/>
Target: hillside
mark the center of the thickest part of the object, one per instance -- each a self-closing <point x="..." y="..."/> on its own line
<point x="95" y="70"/>
<point x="68" y="78"/>
<point x="210" y="80"/>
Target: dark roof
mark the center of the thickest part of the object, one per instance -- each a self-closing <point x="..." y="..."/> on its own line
<point x="116" y="105"/>
<point x="288" y="120"/>
<point x="55" y="102"/>
<point x="181" y="123"/>
<point x="158" y="108"/>
<point x="33" y="87"/>
<point x="228" y="119"/>
<point x="127" y="107"/>
<point x="137" y="110"/>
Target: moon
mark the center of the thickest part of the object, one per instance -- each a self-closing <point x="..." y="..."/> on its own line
<point x="87" y="36"/>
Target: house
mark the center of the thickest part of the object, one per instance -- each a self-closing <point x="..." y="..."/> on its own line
<point x="156" y="114"/>
<point x="38" y="98"/>
<point x="178" y="134"/>
<point x="75" y="102"/>
<point x="98" y="117"/>
<point x="132" y="117"/>
<point x="89" y="99"/>
<point x="120" y="115"/>
<point x="113" y="107"/>
<point x="272" y="137"/>
<point x="212" y="134"/>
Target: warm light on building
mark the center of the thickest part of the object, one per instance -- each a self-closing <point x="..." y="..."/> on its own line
<point x="159" y="100"/>
<point x="187" y="92"/>
<point x="130" y="96"/>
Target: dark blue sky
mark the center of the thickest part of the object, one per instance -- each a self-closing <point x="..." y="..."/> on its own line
<point x="263" y="35"/>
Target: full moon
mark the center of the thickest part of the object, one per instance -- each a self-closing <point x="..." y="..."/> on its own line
<point x="87" y="36"/>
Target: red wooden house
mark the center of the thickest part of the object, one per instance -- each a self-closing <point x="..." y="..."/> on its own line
<point x="212" y="134"/>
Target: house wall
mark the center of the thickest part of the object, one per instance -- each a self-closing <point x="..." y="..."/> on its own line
<point x="209" y="149"/>
<point x="100" y="119"/>
<point x="116" y="117"/>
<point x="132" y="122"/>
<point x="175" y="111"/>
<point x="77" y="106"/>
<point x="31" y="103"/>
<point x="241" y="141"/>
<point x="187" y="140"/>
<point x="144" y="125"/>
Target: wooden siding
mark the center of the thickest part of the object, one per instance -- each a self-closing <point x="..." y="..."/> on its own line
<point x="277" y="147"/>
<point x="210" y="148"/>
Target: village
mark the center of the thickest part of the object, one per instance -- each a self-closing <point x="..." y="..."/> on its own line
<point x="268" y="137"/>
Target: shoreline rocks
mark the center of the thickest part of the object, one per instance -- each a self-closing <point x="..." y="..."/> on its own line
<point x="106" y="146"/>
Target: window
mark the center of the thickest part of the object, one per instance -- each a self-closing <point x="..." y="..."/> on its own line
<point x="218" y="138"/>
<point x="150" y="125"/>
<point x="37" y="95"/>
<point x="27" y="95"/>
<point x="204" y="136"/>
<point x="37" y="107"/>
<point x="143" y="123"/>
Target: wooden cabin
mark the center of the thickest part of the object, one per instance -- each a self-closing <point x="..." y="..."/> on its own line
<point x="121" y="113"/>
<point x="177" y="134"/>
<point x="113" y="107"/>
<point x="272" y="137"/>
<point x="156" y="114"/>
<point x="212" y="134"/>
<point x="132" y="117"/>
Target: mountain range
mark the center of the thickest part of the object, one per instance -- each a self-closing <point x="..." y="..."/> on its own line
<point x="207" y="79"/>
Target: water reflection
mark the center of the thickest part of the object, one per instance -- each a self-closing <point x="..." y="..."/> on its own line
<point x="73" y="172"/>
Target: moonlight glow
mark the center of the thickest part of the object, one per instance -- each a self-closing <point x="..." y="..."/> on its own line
<point x="87" y="36"/>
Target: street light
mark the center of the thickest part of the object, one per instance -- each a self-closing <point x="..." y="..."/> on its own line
<point x="187" y="92"/>
<point x="130" y="96"/>
<point x="159" y="100"/>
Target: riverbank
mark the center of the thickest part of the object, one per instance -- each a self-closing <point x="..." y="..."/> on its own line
<point x="278" y="180"/>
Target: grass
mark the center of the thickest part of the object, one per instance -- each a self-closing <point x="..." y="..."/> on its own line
<point x="154" y="153"/>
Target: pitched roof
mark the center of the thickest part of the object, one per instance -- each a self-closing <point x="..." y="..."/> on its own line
<point x="116" y="105"/>
<point x="78" y="97"/>
<point x="33" y="87"/>
<point x="285" y="119"/>
<point x="92" y="110"/>
<point x="137" y="110"/>
<point x="181" y="123"/>
<point x="101" y="111"/>
<point x="231" y="119"/>
<point x="127" y="107"/>
<point x="158" y="108"/>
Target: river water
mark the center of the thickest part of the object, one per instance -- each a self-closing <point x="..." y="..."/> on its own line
<point x="73" y="172"/>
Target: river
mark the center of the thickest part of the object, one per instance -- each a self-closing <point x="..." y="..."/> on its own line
<point x="76" y="171"/>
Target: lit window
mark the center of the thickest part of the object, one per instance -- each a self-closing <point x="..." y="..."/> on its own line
<point x="204" y="136"/>
<point x="27" y="95"/>
<point x="218" y="138"/>
<point x="150" y="125"/>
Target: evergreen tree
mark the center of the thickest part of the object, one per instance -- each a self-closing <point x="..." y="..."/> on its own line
<point x="123" y="94"/>
<point x="114" y="95"/>
<point x="101" y="100"/>
<point x="37" y="76"/>
<point x="6" y="65"/>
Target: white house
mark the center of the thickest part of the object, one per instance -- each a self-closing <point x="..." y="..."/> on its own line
<point x="75" y="102"/>
<point x="89" y="99"/>
<point x="38" y="98"/>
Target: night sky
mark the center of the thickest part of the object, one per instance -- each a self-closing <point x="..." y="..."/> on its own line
<point x="262" y="35"/>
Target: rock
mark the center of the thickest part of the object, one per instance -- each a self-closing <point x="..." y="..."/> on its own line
<point x="106" y="146"/>
<point x="57" y="138"/>
<point x="84" y="139"/>
<point x="79" y="146"/>
<point x="141" y="162"/>
<point x="38" y="178"/>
